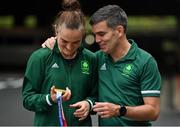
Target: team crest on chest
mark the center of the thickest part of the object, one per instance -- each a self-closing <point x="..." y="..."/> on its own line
<point x="127" y="69"/>
<point x="85" y="67"/>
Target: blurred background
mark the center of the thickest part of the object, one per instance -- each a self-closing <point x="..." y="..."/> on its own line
<point x="25" y="25"/>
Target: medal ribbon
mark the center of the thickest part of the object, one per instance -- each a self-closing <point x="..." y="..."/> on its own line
<point x="62" y="120"/>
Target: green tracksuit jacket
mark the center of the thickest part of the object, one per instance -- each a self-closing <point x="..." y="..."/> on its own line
<point x="46" y="68"/>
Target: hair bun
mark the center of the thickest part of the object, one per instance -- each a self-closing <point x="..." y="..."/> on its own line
<point x="71" y="5"/>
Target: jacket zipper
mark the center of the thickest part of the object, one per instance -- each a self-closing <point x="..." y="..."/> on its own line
<point x="69" y="69"/>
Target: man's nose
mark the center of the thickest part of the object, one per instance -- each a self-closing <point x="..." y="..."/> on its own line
<point x="98" y="39"/>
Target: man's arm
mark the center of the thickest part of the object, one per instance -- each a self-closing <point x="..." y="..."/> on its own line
<point x="147" y="112"/>
<point x="49" y="43"/>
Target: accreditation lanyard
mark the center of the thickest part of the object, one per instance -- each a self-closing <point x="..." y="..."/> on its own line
<point x="62" y="120"/>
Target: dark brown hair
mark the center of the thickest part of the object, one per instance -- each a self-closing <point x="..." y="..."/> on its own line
<point x="71" y="16"/>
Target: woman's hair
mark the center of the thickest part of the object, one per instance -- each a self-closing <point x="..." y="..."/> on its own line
<point x="71" y="16"/>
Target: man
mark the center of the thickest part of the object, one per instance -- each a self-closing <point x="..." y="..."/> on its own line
<point x="129" y="79"/>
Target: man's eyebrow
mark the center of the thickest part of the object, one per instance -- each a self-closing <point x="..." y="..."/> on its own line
<point x="100" y="32"/>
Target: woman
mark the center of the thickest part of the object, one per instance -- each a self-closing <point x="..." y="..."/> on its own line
<point x="68" y="66"/>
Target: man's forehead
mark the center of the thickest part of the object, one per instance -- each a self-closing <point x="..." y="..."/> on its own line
<point x="99" y="27"/>
<point x="102" y="23"/>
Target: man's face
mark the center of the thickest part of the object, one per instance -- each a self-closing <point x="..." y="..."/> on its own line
<point x="69" y="41"/>
<point x="105" y="36"/>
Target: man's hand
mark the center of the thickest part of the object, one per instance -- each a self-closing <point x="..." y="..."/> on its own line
<point x="83" y="109"/>
<point x="106" y="110"/>
<point x="65" y="96"/>
<point x="49" y="43"/>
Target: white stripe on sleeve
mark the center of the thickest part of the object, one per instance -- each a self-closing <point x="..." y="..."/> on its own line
<point x="150" y="91"/>
<point x="47" y="100"/>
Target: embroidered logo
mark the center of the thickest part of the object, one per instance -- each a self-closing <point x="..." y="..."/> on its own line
<point x="127" y="70"/>
<point x="55" y="65"/>
<point x="103" y="67"/>
<point x="85" y="67"/>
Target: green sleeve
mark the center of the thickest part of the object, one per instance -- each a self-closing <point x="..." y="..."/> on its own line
<point x="33" y="99"/>
<point x="150" y="79"/>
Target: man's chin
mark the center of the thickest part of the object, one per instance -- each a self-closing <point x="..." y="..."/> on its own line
<point x="104" y="50"/>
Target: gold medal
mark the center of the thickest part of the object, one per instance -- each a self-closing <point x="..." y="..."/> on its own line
<point x="60" y="90"/>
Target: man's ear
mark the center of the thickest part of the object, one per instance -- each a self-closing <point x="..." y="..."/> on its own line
<point x="120" y="30"/>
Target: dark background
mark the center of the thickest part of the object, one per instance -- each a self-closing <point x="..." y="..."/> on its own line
<point x="19" y="41"/>
<point x="26" y="40"/>
<point x="47" y="9"/>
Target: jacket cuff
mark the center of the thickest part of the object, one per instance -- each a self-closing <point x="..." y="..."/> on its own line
<point x="49" y="100"/>
<point x="90" y="104"/>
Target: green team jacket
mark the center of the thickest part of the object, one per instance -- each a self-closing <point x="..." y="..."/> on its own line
<point x="46" y="68"/>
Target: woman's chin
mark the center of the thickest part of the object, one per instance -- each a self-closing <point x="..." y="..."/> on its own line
<point x="68" y="55"/>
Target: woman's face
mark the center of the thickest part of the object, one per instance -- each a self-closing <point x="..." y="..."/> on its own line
<point x="69" y="40"/>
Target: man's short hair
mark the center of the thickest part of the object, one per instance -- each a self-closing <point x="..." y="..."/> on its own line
<point x="112" y="14"/>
